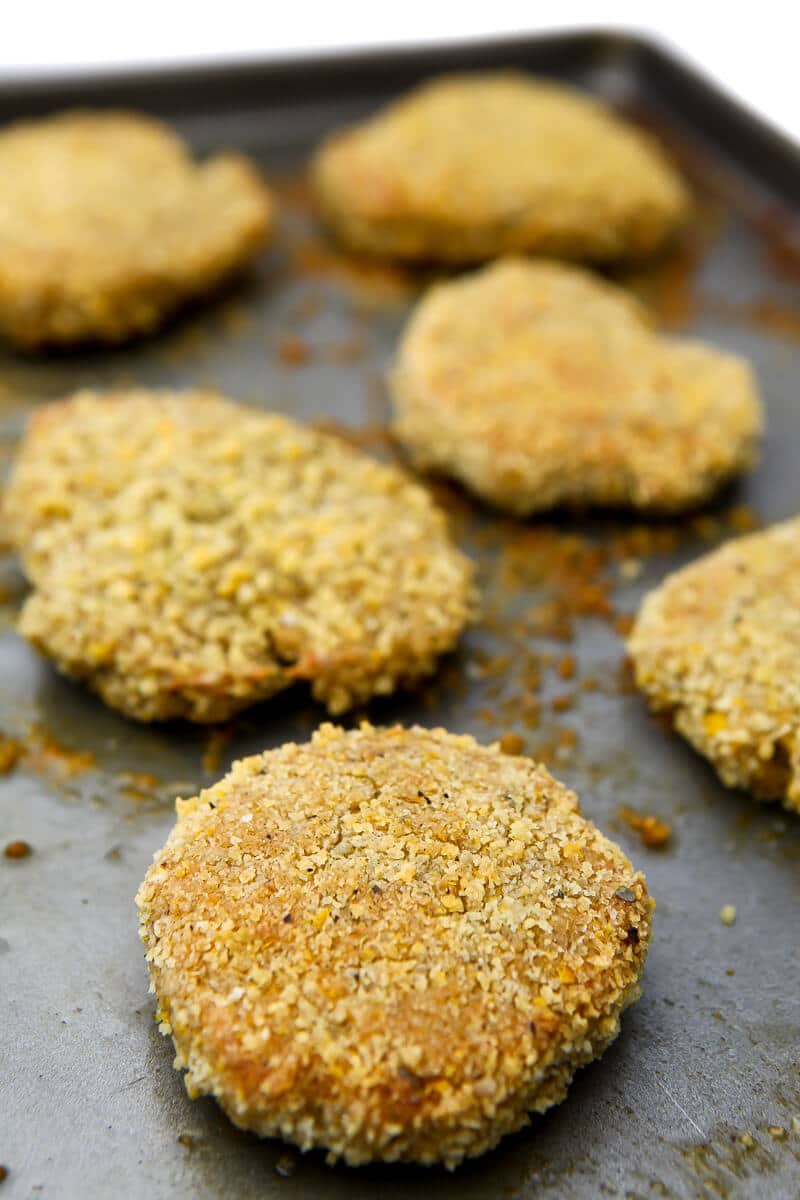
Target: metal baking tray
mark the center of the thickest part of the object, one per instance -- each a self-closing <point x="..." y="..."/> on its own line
<point x="698" y="1095"/>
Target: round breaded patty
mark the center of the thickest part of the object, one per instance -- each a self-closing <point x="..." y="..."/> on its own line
<point x="390" y="943"/>
<point x="107" y="226"/>
<point x="717" y="647"/>
<point x="468" y="167"/>
<point x="190" y="556"/>
<point x="538" y="385"/>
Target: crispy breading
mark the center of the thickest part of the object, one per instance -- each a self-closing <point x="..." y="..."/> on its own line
<point x="467" y="167"/>
<point x="537" y="385"/>
<point x="107" y="226"/>
<point x="191" y="556"/>
<point x="390" y="943"/>
<point x="717" y="647"/>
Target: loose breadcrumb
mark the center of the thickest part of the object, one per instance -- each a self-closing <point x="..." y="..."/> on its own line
<point x="537" y="385"/>
<point x="511" y="743"/>
<point x="107" y="226"/>
<point x="652" y="831"/>
<point x="190" y="557"/>
<point x="392" y="944"/>
<point x="18" y="850"/>
<point x="716" y="647"/>
<point x="10" y="754"/>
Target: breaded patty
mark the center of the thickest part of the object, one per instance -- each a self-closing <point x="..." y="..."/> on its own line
<point x="389" y="943"/>
<point x="539" y="385"/>
<point x="468" y="167"/>
<point x="717" y="646"/>
<point x="190" y="556"/>
<point x="107" y="226"/>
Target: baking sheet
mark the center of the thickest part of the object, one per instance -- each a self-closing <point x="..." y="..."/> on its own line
<point x="698" y="1095"/>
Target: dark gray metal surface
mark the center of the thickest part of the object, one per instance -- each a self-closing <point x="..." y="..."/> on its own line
<point x="89" y="1103"/>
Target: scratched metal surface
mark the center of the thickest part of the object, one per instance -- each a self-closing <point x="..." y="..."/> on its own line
<point x="89" y="1103"/>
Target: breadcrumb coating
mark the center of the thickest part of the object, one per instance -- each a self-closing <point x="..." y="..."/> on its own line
<point x="717" y="646"/>
<point x="190" y="556"/>
<point x="539" y="385"/>
<point x="107" y="226"/>
<point x="468" y="167"/>
<point x="390" y="943"/>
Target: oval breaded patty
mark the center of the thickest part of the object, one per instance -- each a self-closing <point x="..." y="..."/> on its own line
<point x="717" y="646"/>
<point x="389" y="943"/>
<point x="538" y="385"/>
<point x="107" y="226"/>
<point x="467" y="167"/>
<point x="190" y="556"/>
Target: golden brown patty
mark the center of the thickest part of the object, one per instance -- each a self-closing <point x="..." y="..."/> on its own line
<point x="536" y="385"/>
<point x="468" y="167"/>
<point x="392" y="943"/>
<point x="717" y="646"/>
<point x="190" y="556"/>
<point x="107" y="226"/>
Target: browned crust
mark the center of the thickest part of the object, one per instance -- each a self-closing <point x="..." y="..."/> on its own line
<point x="536" y="384"/>
<point x="717" y="647"/>
<point x="468" y="167"/>
<point x="392" y="944"/>
<point x="107" y="227"/>
<point x="191" y="556"/>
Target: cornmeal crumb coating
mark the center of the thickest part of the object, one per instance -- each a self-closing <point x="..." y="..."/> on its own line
<point x="717" y="646"/>
<point x="107" y="226"/>
<point x="190" y="556"/>
<point x="468" y="167"/>
<point x="537" y="385"/>
<point x="390" y="943"/>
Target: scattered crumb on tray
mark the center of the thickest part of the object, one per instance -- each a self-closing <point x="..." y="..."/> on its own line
<point x="10" y="754"/>
<point x="652" y="831"/>
<point x="294" y="352"/>
<point x="511" y="743"/>
<point x="18" y="849"/>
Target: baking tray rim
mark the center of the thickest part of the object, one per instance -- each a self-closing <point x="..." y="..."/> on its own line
<point x="338" y="63"/>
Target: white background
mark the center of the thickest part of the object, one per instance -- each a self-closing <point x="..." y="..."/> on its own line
<point x="752" y="49"/>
